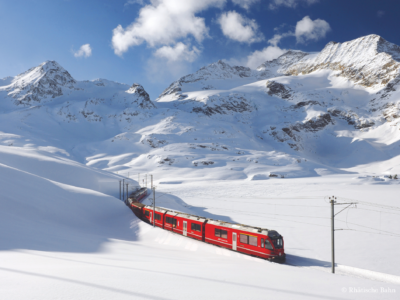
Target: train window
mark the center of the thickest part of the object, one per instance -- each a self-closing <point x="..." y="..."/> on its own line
<point x="244" y="239"/>
<point x="278" y="243"/>
<point x="168" y="220"/>
<point x="146" y="213"/>
<point x="268" y="245"/>
<point x="221" y="233"/>
<point x="195" y="227"/>
<point x="262" y="243"/>
<point x="174" y="222"/>
<point x="224" y="234"/>
<point x="253" y="240"/>
<point x="158" y="217"/>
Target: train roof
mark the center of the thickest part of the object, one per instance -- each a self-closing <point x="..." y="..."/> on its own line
<point x="259" y="230"/>
<point x="242" y="227"/>
<point x="137" y="192"/>
<point x="138" y="204"/>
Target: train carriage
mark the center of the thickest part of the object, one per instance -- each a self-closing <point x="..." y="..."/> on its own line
<point x="170" y="222"/>
<point x="255" y="241"/>
<point x="137" y="208"/>
<point x="160" y="216"/>
<point x="260" y="242"/>
<point x="137" y="195"/>
<point x="191" y="226"/>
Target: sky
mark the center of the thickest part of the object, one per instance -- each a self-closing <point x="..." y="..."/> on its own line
<point x="155" y="42"/>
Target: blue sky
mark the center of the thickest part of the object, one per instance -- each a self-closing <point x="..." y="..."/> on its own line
<point x="154" y="42"/>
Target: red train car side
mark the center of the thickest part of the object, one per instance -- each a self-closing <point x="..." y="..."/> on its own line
<point x="246" y="239"/>
<point x="260" y="242"/>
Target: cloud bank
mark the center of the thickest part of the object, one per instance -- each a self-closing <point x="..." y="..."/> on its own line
<point x="163" y="22"/>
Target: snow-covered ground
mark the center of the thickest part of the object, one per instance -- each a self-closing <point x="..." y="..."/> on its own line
<point x="65" y="239"/>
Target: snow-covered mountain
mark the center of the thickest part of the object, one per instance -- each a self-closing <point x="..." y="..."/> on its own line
<point x="298" y="115"/>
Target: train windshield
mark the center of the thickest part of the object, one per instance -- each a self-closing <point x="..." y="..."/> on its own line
<point x="278" y="243"/>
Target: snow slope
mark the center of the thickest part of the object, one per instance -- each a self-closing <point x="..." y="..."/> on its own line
<point x="62" y="241"/>
<point x="72" y="242"/>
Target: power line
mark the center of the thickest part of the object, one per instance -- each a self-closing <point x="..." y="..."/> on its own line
<point x="263" y="203"/>
<point x="373" y="232"/>
<point x="394" y="233"/>
<point x="371" y="204"/>
<point x="297" y="216"/>
<point x="385" y="212"/>
<point x="272" y="198"/>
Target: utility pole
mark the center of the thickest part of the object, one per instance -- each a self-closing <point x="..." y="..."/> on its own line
<point x="126" y="200"/>
<point x="146" y="180"/>
<point x="333" y="231"/>
<point x="123" y="189"/>
<point x="333" y="202"/>
<point x="154" y="206"/>
<point x="151" y="176"/>
<point x="119" y="190"/>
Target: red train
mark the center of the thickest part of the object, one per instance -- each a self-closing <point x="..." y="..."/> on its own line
<point x="260" y="242"/>
<point x="137" y="195"/>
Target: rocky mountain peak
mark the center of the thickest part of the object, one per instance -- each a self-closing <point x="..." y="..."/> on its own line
<point x="143" y="98"/>
<point x="219" y="70"/>
<point x="44" y="81"/>
<point x="49" y="70"/>
<point x="279" y="65"/>
<point x="370" y="61"/>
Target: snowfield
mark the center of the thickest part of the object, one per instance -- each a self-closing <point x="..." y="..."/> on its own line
<point x="261" y="147"/>
<point x="61" y="241"/>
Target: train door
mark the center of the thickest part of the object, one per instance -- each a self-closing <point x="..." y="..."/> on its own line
<point x="234" y="241"/>
<point x="185" y="228"/>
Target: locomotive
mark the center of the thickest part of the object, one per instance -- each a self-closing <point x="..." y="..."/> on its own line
<point x="255" y="241"/>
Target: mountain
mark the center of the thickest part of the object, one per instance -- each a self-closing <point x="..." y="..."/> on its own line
<point x="48" y="80"/>
<point x="302" y="114"/>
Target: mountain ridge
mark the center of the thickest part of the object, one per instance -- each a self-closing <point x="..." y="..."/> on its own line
<point x="292" y="117"/>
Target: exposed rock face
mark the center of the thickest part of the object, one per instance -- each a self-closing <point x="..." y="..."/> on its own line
<point x="143" y="98"/>
<point x="47" y="80"/>
<point x="366" y="61"/>
<point x="224" y="105"/>
<point x="278" y="89"/>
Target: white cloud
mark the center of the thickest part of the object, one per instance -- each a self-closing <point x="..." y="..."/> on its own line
<point x="245" y="3"/>
<point x="277" y="38"/>
<point x="255" y="59"/>
<point x="239" y="28"/>
<point x="307" y="29"/>
<point x="130" y="2"/>
<point x="290" y="3"/>
<point x="380" y="13"/>
<point x="178" y="53"/>
<point x="84" y="51"/>
<point x="162" y="22"/>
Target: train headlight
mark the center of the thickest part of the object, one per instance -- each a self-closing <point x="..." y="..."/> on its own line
<point x="280" y="254"/>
